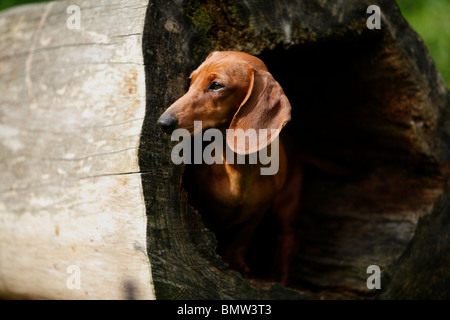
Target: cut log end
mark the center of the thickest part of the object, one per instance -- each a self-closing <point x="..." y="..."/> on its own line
<point x="88" y="184"/>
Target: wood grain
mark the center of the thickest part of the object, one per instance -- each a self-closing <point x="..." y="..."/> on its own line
<point x="72" y="107"/>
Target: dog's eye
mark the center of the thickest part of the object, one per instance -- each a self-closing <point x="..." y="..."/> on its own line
<point x="215" y="86"/>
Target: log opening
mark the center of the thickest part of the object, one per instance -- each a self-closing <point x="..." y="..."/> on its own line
<point x="369" y="176"/>
<point x="367" y="179"/>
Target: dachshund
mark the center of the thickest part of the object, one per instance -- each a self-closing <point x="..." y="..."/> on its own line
<point x="230" y="91"/>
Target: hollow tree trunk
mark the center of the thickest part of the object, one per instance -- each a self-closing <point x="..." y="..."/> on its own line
<point x="88" y="179"/>
<point x="72" y="103"/>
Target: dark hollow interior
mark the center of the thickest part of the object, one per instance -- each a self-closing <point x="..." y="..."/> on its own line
<point x="365" y="180"/>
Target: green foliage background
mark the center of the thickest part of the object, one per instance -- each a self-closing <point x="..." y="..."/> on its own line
<point x="430" y="18"/>
<point x="10" y="3"/>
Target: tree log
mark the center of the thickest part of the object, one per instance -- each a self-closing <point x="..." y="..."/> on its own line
<point x="88" y="179"/>
<point x="72" y="104"/>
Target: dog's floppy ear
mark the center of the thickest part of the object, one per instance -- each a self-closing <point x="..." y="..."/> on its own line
<point x="264" y="107"/>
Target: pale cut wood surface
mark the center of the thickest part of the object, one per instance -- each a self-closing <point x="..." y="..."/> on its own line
<point x="72" y="104"/>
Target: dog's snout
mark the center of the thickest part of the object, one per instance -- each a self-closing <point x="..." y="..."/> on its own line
<point x="168" y="123"/>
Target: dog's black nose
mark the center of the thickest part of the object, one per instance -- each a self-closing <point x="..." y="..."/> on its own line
<point x="168" y="123"/>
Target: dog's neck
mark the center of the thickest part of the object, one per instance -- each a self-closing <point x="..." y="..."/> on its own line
<point x="245" y="167"/>
<point x="233" y="183"/>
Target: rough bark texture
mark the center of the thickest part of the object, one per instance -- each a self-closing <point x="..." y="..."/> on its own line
<point x="370" y="113"/>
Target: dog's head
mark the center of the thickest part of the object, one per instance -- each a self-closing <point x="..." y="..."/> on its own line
<point x="231" y="89"/>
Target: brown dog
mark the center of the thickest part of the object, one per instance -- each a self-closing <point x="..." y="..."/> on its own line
<point x="234" y="90"/>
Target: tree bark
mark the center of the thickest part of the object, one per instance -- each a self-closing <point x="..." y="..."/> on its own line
<point x="370" y="113"/>
<point x="88" y="179"/>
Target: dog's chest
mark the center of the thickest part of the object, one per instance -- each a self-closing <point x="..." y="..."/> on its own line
<point x="237" y="191"/>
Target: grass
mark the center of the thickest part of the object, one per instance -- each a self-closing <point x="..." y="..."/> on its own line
<point x="4" y="4"/>
<point x="431" y="20"/>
